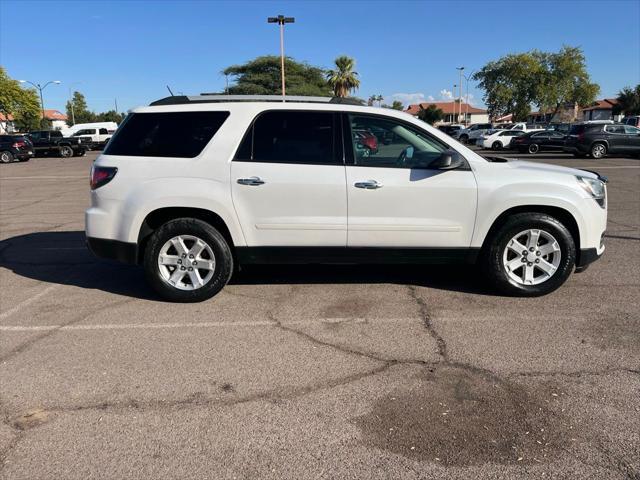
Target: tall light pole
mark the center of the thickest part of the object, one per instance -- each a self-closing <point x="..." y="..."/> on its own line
<point x="453" y="97"/>
<point x="460" y="69"/>
<point x="40" y="89"/>
<point x="281" y="20"/>
<point x="466" y="114"/>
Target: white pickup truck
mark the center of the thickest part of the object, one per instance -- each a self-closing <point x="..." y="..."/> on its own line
<point x="95" y="137"/>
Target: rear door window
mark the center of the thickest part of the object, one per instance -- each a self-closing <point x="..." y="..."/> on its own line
<point x="171" y="134"/>
<point x="292" y="137"/>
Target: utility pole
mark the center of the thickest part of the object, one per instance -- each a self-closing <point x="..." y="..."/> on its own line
<point x="460" y="69"/>
<point x="115" y="101"/>
<point x="466" y="115"/>
<point x="281" y="20"/>
<point x="453" y="97"/>
<point x="40" y="89"/>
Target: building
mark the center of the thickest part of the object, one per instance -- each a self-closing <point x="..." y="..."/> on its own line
<point x="567" y="113"/>
<point x="6" y="124"/>
<point x="605" y="109"/>
<point x="57" y="118"/>
<point x="452" y="113"/>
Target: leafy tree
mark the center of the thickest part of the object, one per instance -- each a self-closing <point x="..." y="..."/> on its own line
<point x="431" y="114"/>
<point x="23" y="104"/>
<point x="77" y="109"/>
<point x="261" y="76"/>
<point x="397" y="105"/>
<point x="343" y="79"/>
<point x="564" y="80"/>
<point x="110" y="116"/>
<point x="548" y="80"/>
<point x="371" y="100"/>
<point x="629" y="101"/>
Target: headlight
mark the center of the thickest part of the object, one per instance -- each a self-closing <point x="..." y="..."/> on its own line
<point x="595" y="188"/>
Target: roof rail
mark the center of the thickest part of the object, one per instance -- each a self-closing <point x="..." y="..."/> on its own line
<point x="215" y="98"/>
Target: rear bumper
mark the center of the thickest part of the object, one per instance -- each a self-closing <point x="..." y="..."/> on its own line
<point x="113" y="249"/>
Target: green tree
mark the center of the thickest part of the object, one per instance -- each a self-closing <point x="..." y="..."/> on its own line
<point x="564" y="80"/>
<point x="431" y="114"/>
<point x="397" y="105"/>
<point x="23" y="104"/>
<point x="109" y="116"/>
<point x="343" y="79"/>
<point x="515" y="82"/>
<point x="77" y="109"/>
<point x="629" y="101"/>
<point x="261" y="76"/>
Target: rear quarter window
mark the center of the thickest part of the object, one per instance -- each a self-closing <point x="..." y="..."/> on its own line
<point x="171" y="134"/>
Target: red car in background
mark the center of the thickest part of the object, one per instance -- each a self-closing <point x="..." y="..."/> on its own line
<point x="367" y="139"/>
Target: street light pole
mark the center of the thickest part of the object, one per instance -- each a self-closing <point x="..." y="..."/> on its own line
<point x="40" y="89"/>
<point x="466" y="115"/>
<point x="453" y="97"/>
<point x="460" y="69"/>
<point x="281" y="20"/>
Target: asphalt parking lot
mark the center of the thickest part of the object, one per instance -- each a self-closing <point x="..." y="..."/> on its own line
<point x="309" y="372"/>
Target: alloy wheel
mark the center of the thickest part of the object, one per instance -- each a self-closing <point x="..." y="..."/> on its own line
<point x="598" y="151"/>
<point x="531" y="257"/>
<point x="186" y="262"/>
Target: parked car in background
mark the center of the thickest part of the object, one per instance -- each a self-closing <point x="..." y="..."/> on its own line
<point x="634" y="120"/>
<point x="366" y="142"/>
<point x="527" y="127"/>
<point x="471" y="134"/>
<point x="539" y="140"/>
<point x="68" y="132"/>
<point x="498" y="139"/>
<point x="95" y="137"/>
<point x="450" y="129"/>
<point x="47" y="142"/>
<point x="15" y="148"/>
<point x="273" y="181"/>
<point x="600" y="139"/>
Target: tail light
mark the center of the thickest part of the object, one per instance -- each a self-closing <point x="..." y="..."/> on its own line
<point x="19" y="145"/>
<point x="100" y="176"/>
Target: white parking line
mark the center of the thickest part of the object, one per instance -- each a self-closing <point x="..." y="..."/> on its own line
<point x="254" y="323"/>
<point x="27" y="302"/>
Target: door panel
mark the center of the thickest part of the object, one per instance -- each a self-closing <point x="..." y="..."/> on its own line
<point x="288" y="181"/>
<point x="412" y="208"/>
<point x="297" y="205"/>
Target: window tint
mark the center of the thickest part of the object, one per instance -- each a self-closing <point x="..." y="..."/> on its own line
<point x="380" y="142"/>
<point x="103" y="131"/>
<point x="172" y="134"/>
<point x="291" y="137"/>
<point x="540" y="134"/>
<point x="629" y="130"/>
<point x="614" y="129"/>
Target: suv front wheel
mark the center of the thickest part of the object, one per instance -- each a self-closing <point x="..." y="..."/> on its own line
<point x="531" y="254"/>
<point x="187" y="260"/>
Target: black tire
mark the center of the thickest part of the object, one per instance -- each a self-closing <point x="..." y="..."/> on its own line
<point x="464" y="138"/>
<point x="492" y="255"/>
<point x="65" y="151"/>
<point x="79" y="153"/>
<point x="533" y="148"/>
<point x="580" y="155"/>
<point x="6" y="157"/>
<point x="188" y="226"/>
<point x="496" y="146"/>
<point x="598" y="150"/>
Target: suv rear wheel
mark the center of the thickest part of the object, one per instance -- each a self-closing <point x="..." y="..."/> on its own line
<point x="598" y="150"/>
<point x="187" y="260"/>
<point x="464" y="138"/>
<point x="532" y="254"/>
<point x="66" y="151"/>
<point x="6" y="157"/>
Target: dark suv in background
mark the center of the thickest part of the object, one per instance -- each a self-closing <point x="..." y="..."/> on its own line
<point x="598" y="140"/>
<point x="15" y="148"/>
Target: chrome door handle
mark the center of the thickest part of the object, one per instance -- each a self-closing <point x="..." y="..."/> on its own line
<point x="251" y="181"/>
<point x="368" y="185"/>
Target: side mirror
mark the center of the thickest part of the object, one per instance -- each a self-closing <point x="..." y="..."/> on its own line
<point x="448" y="160"/>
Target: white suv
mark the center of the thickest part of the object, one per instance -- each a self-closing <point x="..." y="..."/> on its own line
<point x="191" y="186"/>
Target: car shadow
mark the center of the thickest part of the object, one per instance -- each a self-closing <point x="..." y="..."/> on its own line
<point x="63" y="258"/>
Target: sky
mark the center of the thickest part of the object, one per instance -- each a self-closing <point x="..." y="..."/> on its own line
<point x="128" y="51"/>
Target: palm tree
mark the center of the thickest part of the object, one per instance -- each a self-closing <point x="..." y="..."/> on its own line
<point x="343" y="79"/>
<point x="379" y="99"/>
